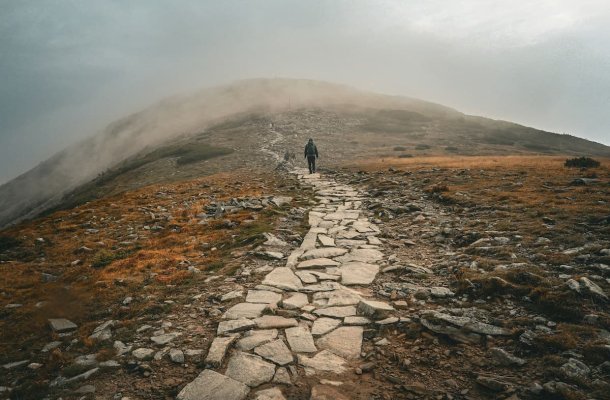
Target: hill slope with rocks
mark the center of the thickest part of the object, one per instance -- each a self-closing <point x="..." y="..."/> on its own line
<point x="202" y="269"/>
<point x="226" y="127"/>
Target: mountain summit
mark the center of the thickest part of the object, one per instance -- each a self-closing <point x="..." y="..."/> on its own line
<point x="228" y="123"/>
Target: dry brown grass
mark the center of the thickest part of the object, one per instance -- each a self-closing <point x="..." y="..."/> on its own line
<point x="471" y="162"/>
<point x="523" y="188"/>
<point x="82" y="292"/>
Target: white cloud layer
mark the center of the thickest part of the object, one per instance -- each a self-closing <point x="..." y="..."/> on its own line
<point x="70" y="67"/>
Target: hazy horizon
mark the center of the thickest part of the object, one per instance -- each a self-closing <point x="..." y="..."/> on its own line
<point x="72" y="68"/>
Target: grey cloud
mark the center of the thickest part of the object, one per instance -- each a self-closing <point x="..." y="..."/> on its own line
<point x="71" y="67"/>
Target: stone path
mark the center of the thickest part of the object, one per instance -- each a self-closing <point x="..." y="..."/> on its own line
<point x="306" y="319"/>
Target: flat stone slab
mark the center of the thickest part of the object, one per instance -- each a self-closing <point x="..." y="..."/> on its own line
<point x="234" y="294"/>
<point x="358" y="273"/>
<point x="348" y="234"/>
<point x="295" y="301"/>
<point x="339" y="297"/>
<point x="350" y="243"/>
<point x="345" y="341"/>
<point x="324" y="325"/>
<point x="61" y="325"/>
<point x="293" y="258"/>
<point x="326" y="241"/>
<point x="235" y="325"/>
<point x="326" y="224"/>
<point x="244" y="310"/>
<point x="306" y="277"/>
<point x="275" y="351"/>
<point x="314" y="220"/>
<point x="374" y="309"/>
<point x="324" y="361"/>
<point x="362" y="255"/>
<point x="309" y="241"/>
<point x="300" y="340"/>
<point x="356" y="321"/>
<point x="211" y="385"/>
<point x="274" y="321"/>
<point x="324" y="252"/>
<point x="321" y="287"/>
<point x="250" y="369"/>
<point x="283" y="278"/>
<point x="388" y="321"/>
<point x="218" y="349"/>
<point x="363" y="226"/>
<point x="269" y="394"/>
<point x="254" y="338"/>
<point x="374" y="240"/>
<point x="339" y="215"/>
<point x="263" y="296"/>
<point x="282" y="376"/>
<point x="323" y="276"/>
<point x="317" y="263"/>
<point x="336" y="312"/>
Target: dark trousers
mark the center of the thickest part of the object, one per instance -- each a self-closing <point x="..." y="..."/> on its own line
<point x="311" y="162"/>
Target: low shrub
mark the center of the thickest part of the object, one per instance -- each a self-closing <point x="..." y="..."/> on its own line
<point x="7" y="243"/>
<point x="581" y="162"/>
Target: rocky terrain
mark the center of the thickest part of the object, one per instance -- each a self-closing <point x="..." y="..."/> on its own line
<point x="222" y="128"/>
<point x="384" y="277"/>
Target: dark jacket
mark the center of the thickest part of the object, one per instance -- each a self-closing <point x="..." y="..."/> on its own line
<point x="311" y="150"/>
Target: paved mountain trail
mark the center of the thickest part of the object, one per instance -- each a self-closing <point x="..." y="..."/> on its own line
<point x="324" y="283"/>
<point x="268" y="145"/>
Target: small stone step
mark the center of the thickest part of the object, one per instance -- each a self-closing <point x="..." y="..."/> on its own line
<point x="61" y="325"/>
<point x="374" y="309"/>
<point x="317" y="263"/>
<point x="211" y="385"/>
<point x="336" y="312"/>
<point x="345" y="341"/>
<point x="250" y="369"/>
<point x="324" y="361"/>
<point x="295" y="301"/>
<point x="324" y="325"/>
<point x="324" y="252"/>
<point x="283" y="278"/>
<point x="235" y="325"/>
<point x="274" y="321"/>
<point x="300" y="340"/>
<point x="263" y="297"/>
<point x="244" y="310"/>
<point x="275" y="351"/>
<point x="254" y="338"/>
<point x="218" y="349"/>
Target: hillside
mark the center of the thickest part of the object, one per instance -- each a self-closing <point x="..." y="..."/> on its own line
<point x="227" y="124"/>
<point x="425" y="277"/>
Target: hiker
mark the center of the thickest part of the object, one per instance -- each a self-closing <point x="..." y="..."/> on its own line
<point x="311" y="153"/>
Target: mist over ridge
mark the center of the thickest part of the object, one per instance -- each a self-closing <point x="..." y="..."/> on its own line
<point x="186" y="115"/>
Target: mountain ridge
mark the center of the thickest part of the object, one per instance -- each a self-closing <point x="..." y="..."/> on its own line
<point x="187" y="116"/>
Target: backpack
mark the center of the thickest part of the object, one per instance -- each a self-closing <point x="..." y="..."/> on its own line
<point x="310" y="149"/>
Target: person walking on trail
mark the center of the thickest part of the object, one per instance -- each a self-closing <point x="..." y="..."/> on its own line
<point x="311" y="153"/>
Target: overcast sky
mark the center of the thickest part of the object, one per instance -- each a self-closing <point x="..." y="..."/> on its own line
<point x="68" y="68"/>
